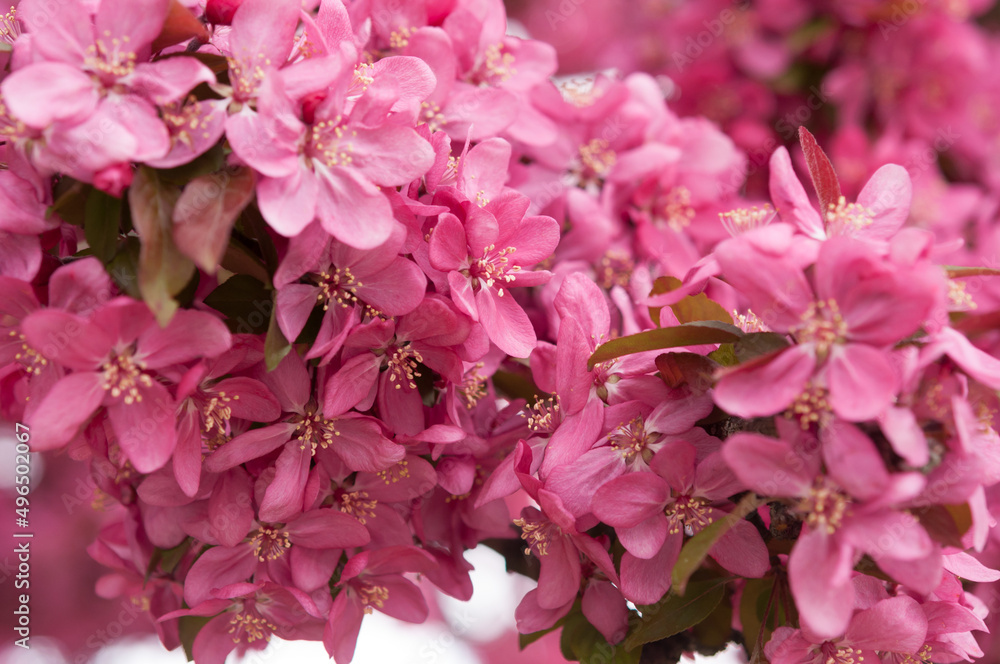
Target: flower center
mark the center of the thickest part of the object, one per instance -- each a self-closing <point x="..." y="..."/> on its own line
<point x="31" y="359"/>
<point x="615" y="269"/>
<point x="535" y="534"/>
<point x="315" y="431"/>
<point x="810" y="407"/>
<point x="847" y="218"/>
<point x="688" y="513"/>
<point x="338" y="286"/>
<point x="373" y="596"/>
<point x="822" y="325"/>
<point x="183" y="118"/>
<point x="392" y="474"/>
<point x="270" y="543"/>
<point x="329" y="142"/>
<point x="109" y="58"/>
<point x="246" y="74"/>
<point x="676" y="209"/>
<point x="217" y="413"/>
<point x="596" y="159"/>
<point x="432" y="116"/>
<point x="959" y="298"/>
<point x="824" y="506"/>
<point x="250" y="624"/>
<point x="403" y="362"/>
<point x="632" y="440"/>
<point x="749" y="322"/>
<point x="840" y="655"/>
<point x="473" y="387"/>
<point x="544" y="415"/>
<point x="123" y="376"/>
<point x="741" y="220"/>
<point x="10" y="29"/>
<point x="492" y="268"/>
<point x="358" y="505"/>
<point x="497" y="66"/>
<point x="400" y="38"/>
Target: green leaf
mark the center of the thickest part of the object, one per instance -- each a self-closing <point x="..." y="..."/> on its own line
<point x="525" y="640"/>
<point x="276" y="346"/>
<point x="245" y="301"/>
<point x="70" y="201"/>
<point x="715" y="632"/>
<point x="124" y="267"/>
<point x="675" y="614"/>
<point x="960" y="271"/>
<point x="188" y="628"/>
<point x="102" y="214"/>
<point x="753" y="604"/>
<point x="696" y="548"/>
<point x="946" y="523"/>
<point x="206" y="211"/>
<point x="163" y="270"/>
<point x="691" y="334"/>
<point x="692" y="369"/>
<point x="757" y="344"/>
<point x="724" y="355"/>
<point x="518" y="386"/>
<point x="691" y="308"/>
<point x="210" y="162"/>
<point x="580" y="641"/>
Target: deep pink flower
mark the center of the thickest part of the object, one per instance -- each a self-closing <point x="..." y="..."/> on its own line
<point x="331" y="163"/>
<point x="306" y="432"/>
<point x="844" y="326"/>
<point x="111" y="356"/>
<point x="845" y="514"/>
<point x="653" y="511"/>
<point x="374" y="580"/>
<point x="483" y="259"/>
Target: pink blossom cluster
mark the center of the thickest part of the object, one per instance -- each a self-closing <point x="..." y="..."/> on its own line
<point x="327" y="293"/>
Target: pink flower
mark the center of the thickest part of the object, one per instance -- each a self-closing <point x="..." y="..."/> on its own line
<point x="331" y="162"/>
<point x="894" y="626"/>
<point x="92" y="78"/>
<point x="374" y="580"/>
<point x="847" y="513"/>
<point x="483" y="258"/>
<point x="882" y="207"/>
<point x="652" y="511"/>
<point x="112" y="356"/>
<point x="844" y="326"/>
<point x="306" y="432"/>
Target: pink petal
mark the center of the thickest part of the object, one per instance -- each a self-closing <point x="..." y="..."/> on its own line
<point x="139" y="20"/>
<point x="896" y="535"/>
<point x="218" y="567"/>
<point x="168" y="80"/>
<point x="69" y="340"/>
<point x="900" y="427"/>
<point x="785" y="373"/>
<point x="647" y="581"/>
<point x="248" y="446"/>
<point x="645" y="539"/>
<point x="229" y="507"/>
<point x="605" y="609"/>
<point x="862" y="382"/>
<point x="559" y="579"/>
<point x="505" y="322"/>
<point x="405" y="600"/>
<point x="352" y="383"/>
<point x="340" y="636"/>
<point x="190" y="334"/>
<point x="283" y="498"/>
<point x="742" y="551"/>
<point x="447" y="248"/>
<point x="68" y="405"/>
<point x="819" y="569"/>
<point x="390" y="155"/>
<point x="887" y="196"/>
<point x="353" y="209"/>
<point x="263" y="32"/>
<point x="44" y="92"/>
<point x="631" y="499"/>
<point x="145" y="428"/>
<point x="187" y="454"/>
<point x="327" y="529"/>
<point x="895" y="625"/>
<point x="576" y="482"/>
<point x="531" y="617"/>
<point x="790" y="198"/>
<point x="288" y="203"/>
<point x="768" y="466"/>
<point x="853" y="460"/>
